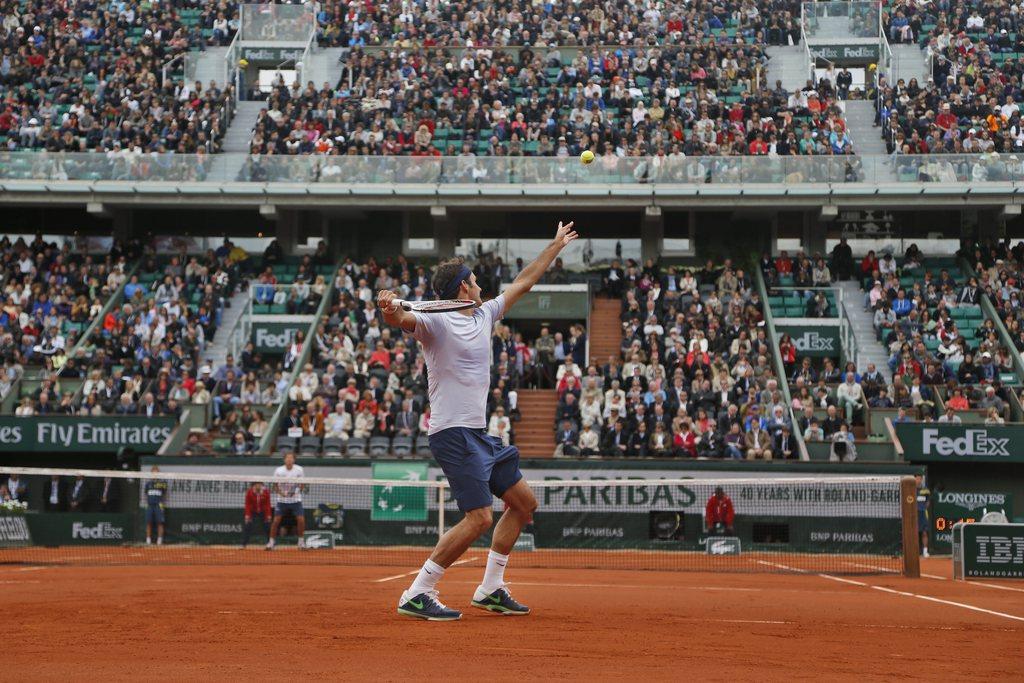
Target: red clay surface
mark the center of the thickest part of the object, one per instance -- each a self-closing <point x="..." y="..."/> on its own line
<point x="245" y="622"/>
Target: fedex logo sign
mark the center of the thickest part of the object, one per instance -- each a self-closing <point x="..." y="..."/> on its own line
<point x="974" y="442"/>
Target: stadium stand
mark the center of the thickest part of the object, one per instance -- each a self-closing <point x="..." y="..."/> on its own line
<point x="76" y="80"/>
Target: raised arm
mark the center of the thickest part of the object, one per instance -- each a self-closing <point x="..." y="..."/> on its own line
<point x="535" y="271"/>
<point x="393" y="314"/>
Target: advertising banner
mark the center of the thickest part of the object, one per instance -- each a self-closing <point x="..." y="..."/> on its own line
<point x="950" y="507"/>
<point x="84" y="434"/>
<point x="812" y="340"/>
<point x="988" y="551"/>
<point x="931" y="442"/>
<point x="274" y="336"/>
<point x="81" y="528"/>
<point x="14" y="530"/>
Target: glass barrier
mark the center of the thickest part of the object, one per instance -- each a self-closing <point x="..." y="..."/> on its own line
<point x="504" y="170"/>
<point x="839" y="20"/>
<point x="270" y="23"/>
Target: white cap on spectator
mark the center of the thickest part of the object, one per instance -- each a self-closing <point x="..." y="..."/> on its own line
<point x="205" y="370"/>
<point x="986" y="355"/>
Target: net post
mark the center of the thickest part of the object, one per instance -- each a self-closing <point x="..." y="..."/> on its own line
<point x="440" y="510"/>
<point x="911" y="534"/>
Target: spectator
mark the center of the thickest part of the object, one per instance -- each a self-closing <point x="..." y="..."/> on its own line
<point x="719" y="514"/>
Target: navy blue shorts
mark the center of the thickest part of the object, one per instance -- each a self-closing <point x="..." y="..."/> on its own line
<point x="294" y="508"/>
<point x="154" y="515"/>
<point x="477" y="465"/>
<point x="922" y="522"/>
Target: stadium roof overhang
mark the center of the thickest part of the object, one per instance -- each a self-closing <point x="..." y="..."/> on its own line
<point x="235" y="195"/>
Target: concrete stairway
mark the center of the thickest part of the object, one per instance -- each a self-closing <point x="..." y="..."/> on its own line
<point x="217" y="350"/>
<point x="240" y="130"/>
<point x="605" y="330"/>
<point x="535" y="432"/>
<point x="860" y="122"/>
<point x="325" y="66"/>
<point x="788" y="64"/>
<point x="210" y="66"/>
<point x="869" y="349"/>
<point x="908" y="62"/>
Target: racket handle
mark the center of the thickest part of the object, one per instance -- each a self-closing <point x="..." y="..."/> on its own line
<point x="405" y="305"/>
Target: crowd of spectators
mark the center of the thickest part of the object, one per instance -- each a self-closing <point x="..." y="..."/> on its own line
<point x="364" y="387"/>
<point x="75" y="78"/>
<point x="49" y="296"/>
<point x="708" y="99"/>
<point x="583" y="23"/>
<point x="694" y="378"/>
<point x="969" y="103"/>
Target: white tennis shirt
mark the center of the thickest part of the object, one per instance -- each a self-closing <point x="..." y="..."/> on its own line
<point x="289" y="493"/>
<point x="457" y="348"/>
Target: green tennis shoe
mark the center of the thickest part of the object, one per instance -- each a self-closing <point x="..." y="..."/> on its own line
<point x="499" y="602"/>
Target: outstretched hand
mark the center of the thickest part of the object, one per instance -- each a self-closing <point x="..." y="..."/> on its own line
<point x="565" y="234"/>
<point x="386" y="301"/>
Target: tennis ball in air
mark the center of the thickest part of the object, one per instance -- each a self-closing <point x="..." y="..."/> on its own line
<point x="243" y="63"/>
<point x="872" y="67"/>
<point x="587" y="156"/>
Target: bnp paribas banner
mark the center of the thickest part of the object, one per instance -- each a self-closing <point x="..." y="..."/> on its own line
<point x="105" y="434"/>
<point x="858" y="515"/>
<point x="933" y="442"/>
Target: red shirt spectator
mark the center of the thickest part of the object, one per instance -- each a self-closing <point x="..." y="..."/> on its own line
<point x="719" y="511"/>
<point x="257" y="502"/>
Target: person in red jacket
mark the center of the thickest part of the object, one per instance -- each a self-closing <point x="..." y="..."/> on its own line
<point x="257" y="508"/>
<point x="719" y="515"/>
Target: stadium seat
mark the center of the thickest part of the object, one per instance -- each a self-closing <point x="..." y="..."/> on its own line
<point x="380" y="445"/>
<point x="333" y="447"/>
<point x="286" y="443"/>
<point x="356" y="446"/>
<point x="423" y="445"/>
<point x="402" y="445"/>
<point x="309" y="445"/>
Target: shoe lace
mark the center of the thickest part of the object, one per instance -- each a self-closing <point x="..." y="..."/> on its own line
<point x="433" y="596"/>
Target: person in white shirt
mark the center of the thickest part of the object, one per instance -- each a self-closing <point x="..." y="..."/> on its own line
<point x="339" y="423"/>
<point x="589" y="441"/>
<point x="850" y="396"/>
<point x="457" y="349"/>
<point x="499" y="425"/>
<point x="289" y="499"/>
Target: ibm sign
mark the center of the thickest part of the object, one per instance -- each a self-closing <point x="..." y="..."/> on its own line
<point x="991" y="551"/>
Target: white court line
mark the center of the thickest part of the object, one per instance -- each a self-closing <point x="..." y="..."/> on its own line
<point x="34" y="568"/>
<point x="886" y="570"/>
<point x="417" y="571"/>
<point x="20" y="583"/>
<point x="919" y="596"/>
<point x="619" y="585"/>
<point x="942" y="578"/>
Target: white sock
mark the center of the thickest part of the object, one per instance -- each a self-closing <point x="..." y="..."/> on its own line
<point x="302" y="542"/>
<point x="428" y="577"/>
<point x="270" y="543"/>
<point x="494" y="575"/>
<point x="149" y="541"/>
<point x="160" y="540"/>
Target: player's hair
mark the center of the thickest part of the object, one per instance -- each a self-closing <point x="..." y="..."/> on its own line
<point x="445" y="272"/>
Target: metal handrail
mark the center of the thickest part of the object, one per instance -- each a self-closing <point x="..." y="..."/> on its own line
<point x="270" y="435"/>
<point x="241" y="331"/>
<point x="780" y="368"/>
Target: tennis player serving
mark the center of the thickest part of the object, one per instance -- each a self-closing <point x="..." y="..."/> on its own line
<point x="457" y="349"/>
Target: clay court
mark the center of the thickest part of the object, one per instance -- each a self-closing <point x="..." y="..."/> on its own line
<point x="235" y="622"/>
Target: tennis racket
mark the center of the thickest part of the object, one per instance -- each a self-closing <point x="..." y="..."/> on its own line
<point x="439" y="306"/>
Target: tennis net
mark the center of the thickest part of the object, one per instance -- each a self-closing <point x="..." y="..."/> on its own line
<point x="833" y="524"/>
